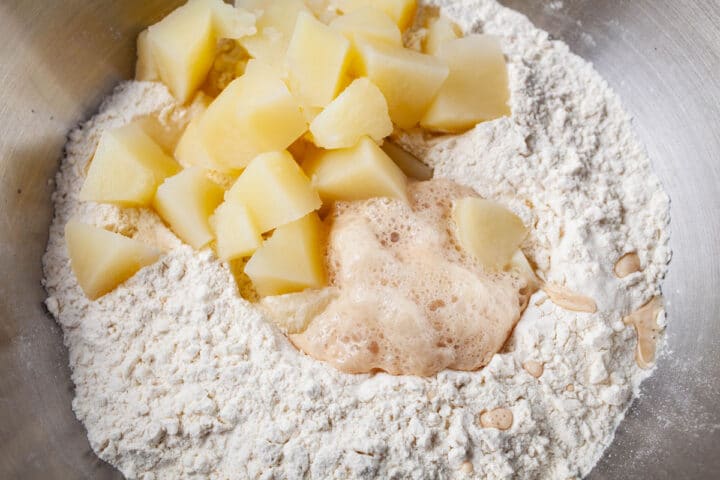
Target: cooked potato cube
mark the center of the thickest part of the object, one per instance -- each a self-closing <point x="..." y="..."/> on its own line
<point x="183" y="47"/>
<point x="401" y="11"/>
<point x="232" y="22"/>
<point x="487" y="230"/>
<point x="235" y="232"/>
<point x="275" y="190"/>
<point x="103" y="260"/>
<point x="145" y="67"/>
<point x="256" y="113"/>
<point x="408" y="163"/>
<point x="318" y="58"/>
<point x="127" y="168"/>
<point x="291" y="260"/>
<point x="476" y="89"/>
<point x="275" y="26"/>
<point x="359" y="110"/>
<point x="190" y="151"/>
<point x="439" y="30"/>
<point x="363" y="171"/>
<point x="366" y="23"/>
<point x="409" y="80"/>
<point x="186" y="202"/>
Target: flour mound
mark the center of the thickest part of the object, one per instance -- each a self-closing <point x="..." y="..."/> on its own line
<point x="177" y="377"/>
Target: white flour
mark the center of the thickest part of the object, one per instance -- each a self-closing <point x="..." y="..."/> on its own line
<point x="176" y="376"/>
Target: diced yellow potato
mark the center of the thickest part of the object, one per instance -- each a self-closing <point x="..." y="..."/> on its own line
<point x="232" y="22"/>
<point x="317" y="60"/>
<point x="359" y="110"/>
<point x="293" y="312"/>
<point x="409" y="80"/>
<point x="103" y="260"/>
<point x="127" y="168"/>
<point x="256" y="113"/>
<point x="145" y="67"/>
<point x="401" y="11"/>
<point x="439" y="30"/>
<point x="476" y="89"/>
<point x="166" y="130"/>
<point x="235" y="232"/>
<point x="357" y="173"/>
<point x="275" y="26"/>
<point x="366" y="23"/>
<point x="183" y="47"/>
<point x="190" y="151"/>
<point x="487" y="230"/>
<point x="291" y="260"/>
<point x="186" y="202"/>
<point x="408" y="163"/>
<point x="275" y="190"/>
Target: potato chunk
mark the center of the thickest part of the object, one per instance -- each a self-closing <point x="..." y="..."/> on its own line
<point x="409" y="80"/>
<point x="275" y="191"/>
<point x="183" y="47"/>
<point x="256" y="113"/>
<point x="102" y="260"/>
<point x="145" y="67"/>
<point x="317" y="61"/>
<point x="232" y="22"/>
<point x="401" y="11"/>
<point x="476" y="89"/>
<point x="368" y="23"/>
<point x="359" y="110"/>
<point x="487" y="230"/>
<point x="275" y="26"/>
<point x="127" y="168"/>
<point x="363" y="171"/>
<point x="440" y="29"/>
<point x="291" y="260"/>
<point x="186" y="202"/>
<point x="235" y="232"/>
<point x="190" y="151"/>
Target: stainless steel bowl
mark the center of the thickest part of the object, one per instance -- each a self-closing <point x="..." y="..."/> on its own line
<point x="58" y="59"/>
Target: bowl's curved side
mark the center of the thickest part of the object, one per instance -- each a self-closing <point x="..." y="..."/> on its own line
<point x="60" y="58"/>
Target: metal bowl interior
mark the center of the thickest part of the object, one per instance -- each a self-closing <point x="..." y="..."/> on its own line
<point x="58" y="59"/>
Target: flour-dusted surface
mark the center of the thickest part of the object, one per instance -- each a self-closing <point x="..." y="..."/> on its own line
<point x="176" y="376"/>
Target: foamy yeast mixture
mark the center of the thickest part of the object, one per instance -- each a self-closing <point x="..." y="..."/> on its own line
<point x="407" y="299"/>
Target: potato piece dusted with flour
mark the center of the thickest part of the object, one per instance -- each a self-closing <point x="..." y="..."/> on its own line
<point x="182" y="46"/>
<point x="275" y="25"/>
<point x="232" y="22"/>
<point x="317" y="60"/>
<point x="186" y="202"/>
<point x="440" y="29"/>
<point x="102" y="260"/>
<point x="291" y="260"/>
<point x="275" y="190"/>
<point x="476" y="89"/>
<point x="409" y="80"/>
<point x="236" y="234"/>
<point x="127" y="168"/>
<point x="359" y="110"/>
<point x="357" y="173"/>
<point x="487" y="230"/>
<point x="401" y="11"/>
<point x="256" y="113"/>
